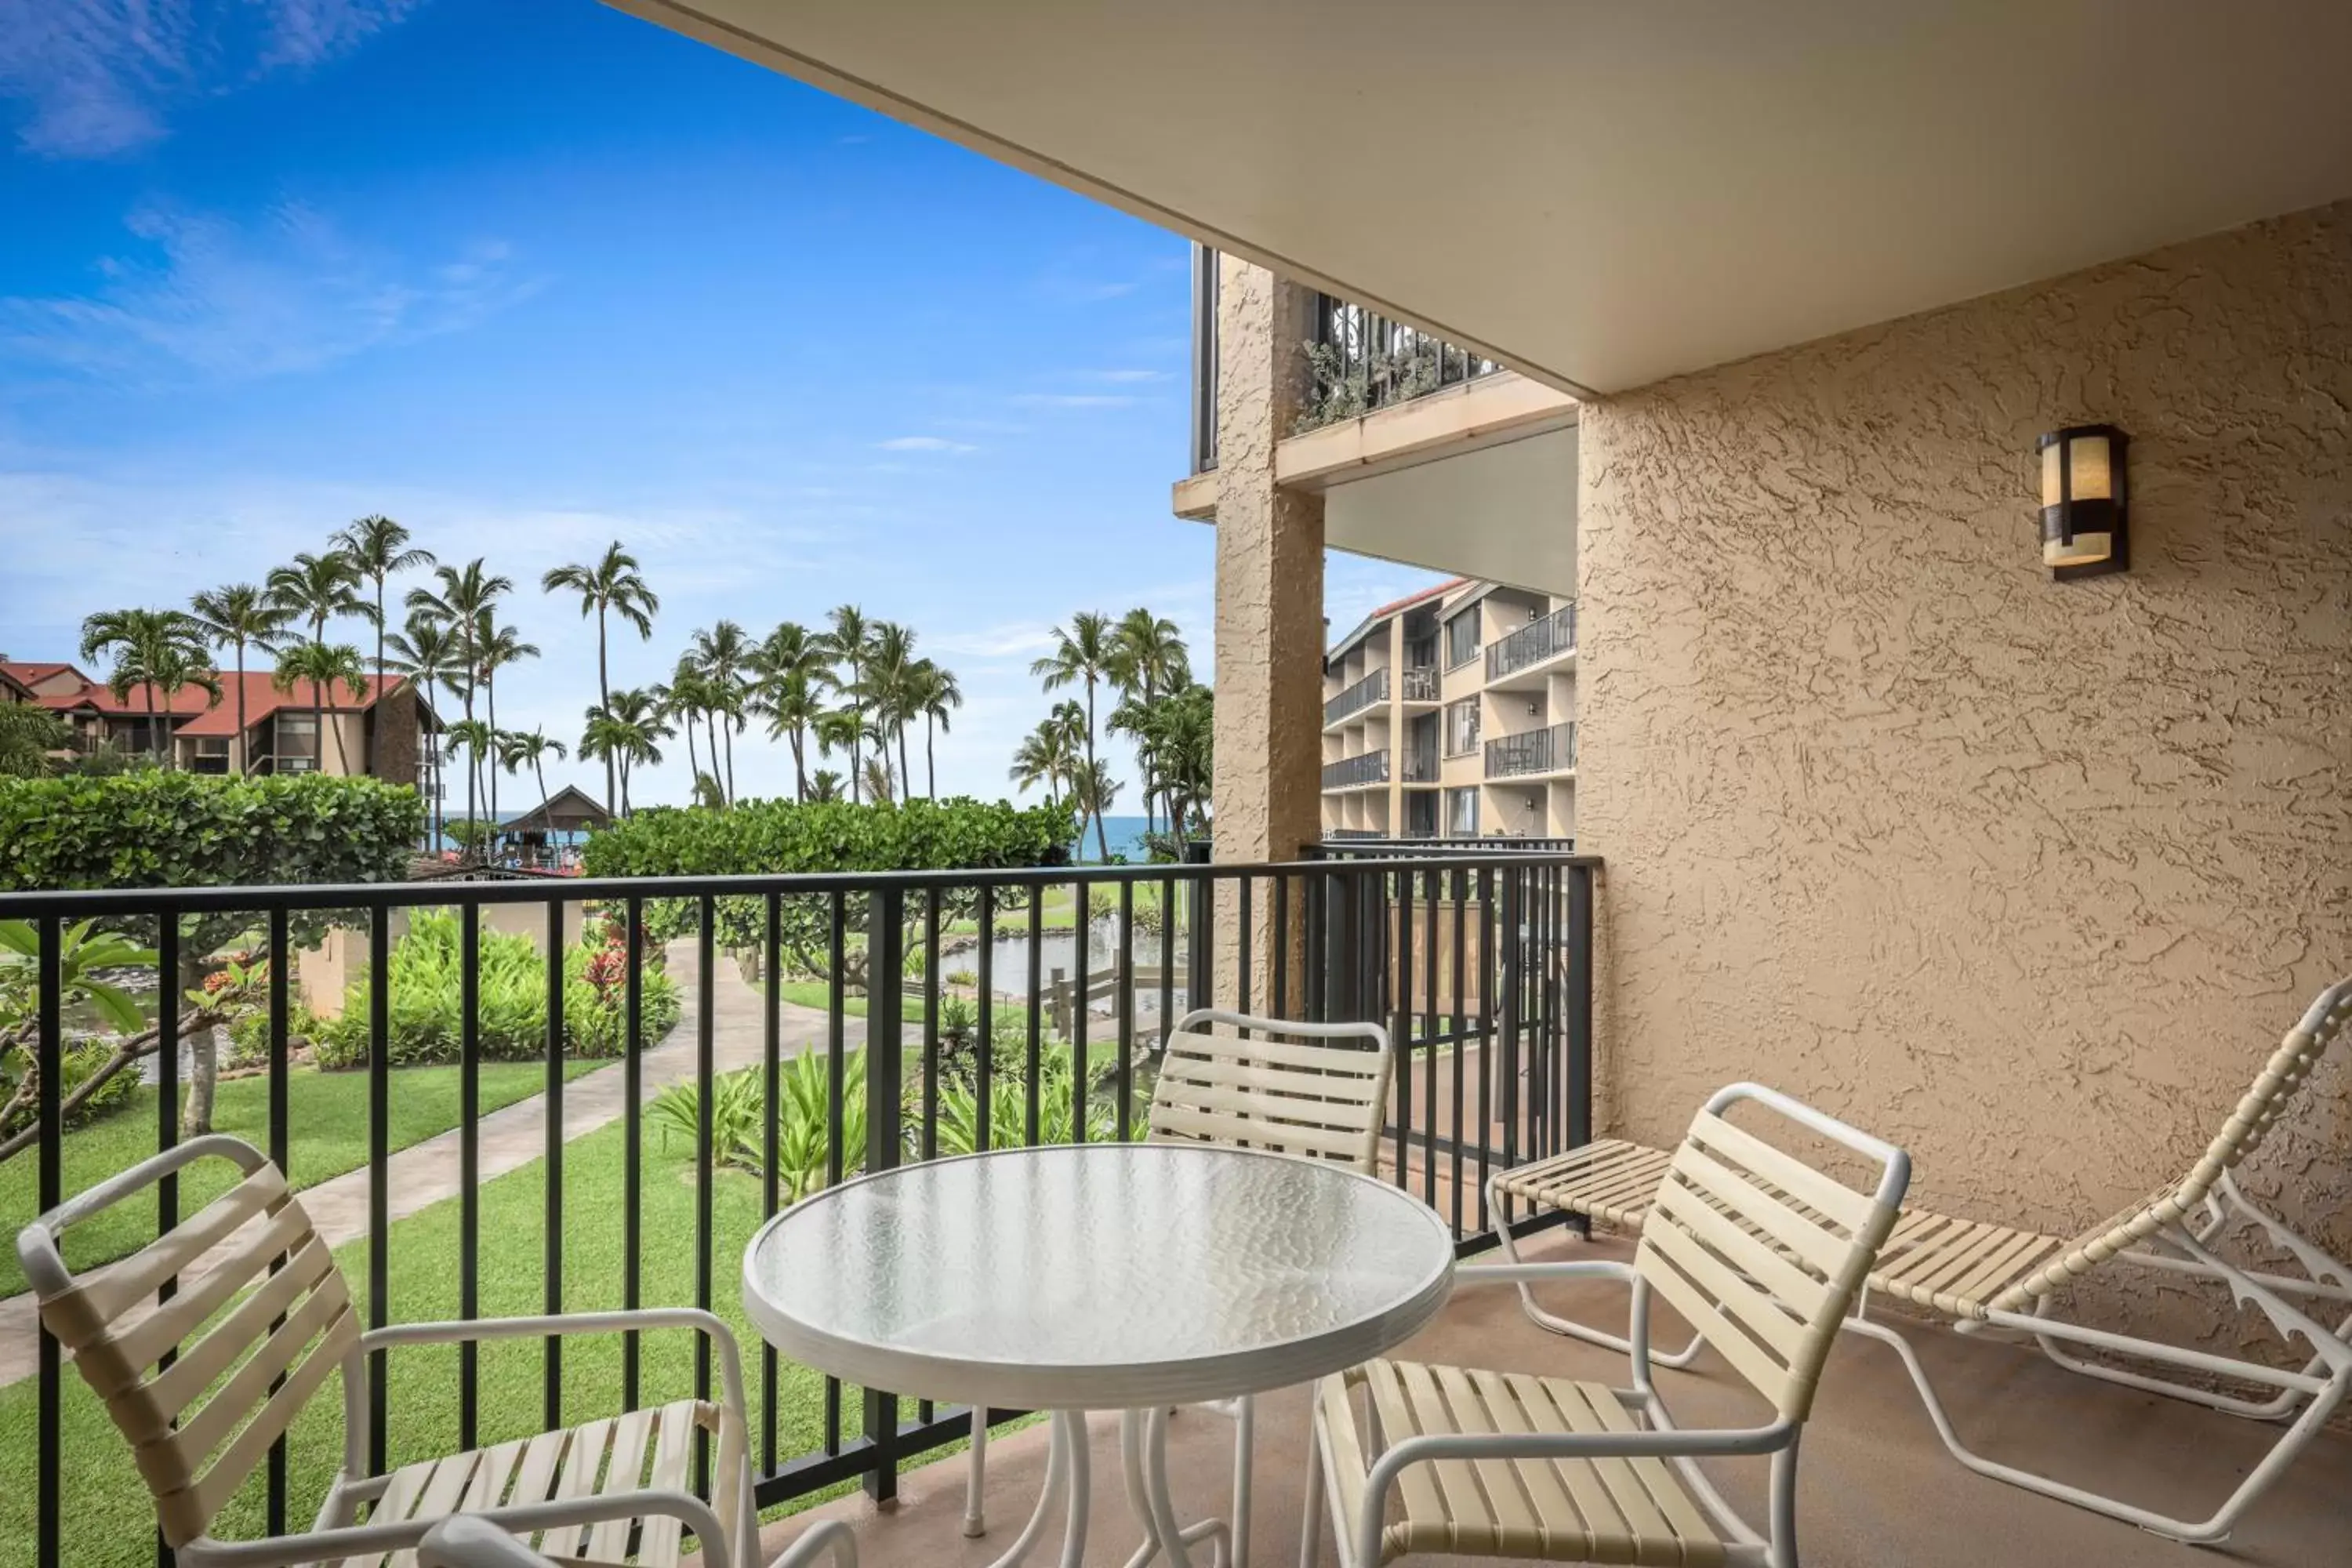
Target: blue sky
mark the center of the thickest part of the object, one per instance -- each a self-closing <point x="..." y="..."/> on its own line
<point x="531" y="274"/>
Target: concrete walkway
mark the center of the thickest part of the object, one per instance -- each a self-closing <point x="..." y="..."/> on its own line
<point x="425" y="1173"/>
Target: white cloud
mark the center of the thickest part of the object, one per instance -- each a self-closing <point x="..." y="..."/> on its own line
<point x="923" y="443"/>
<point x="225" y="301"/>
<point x="96" y="77"/>
<point x="1019" y="640"/>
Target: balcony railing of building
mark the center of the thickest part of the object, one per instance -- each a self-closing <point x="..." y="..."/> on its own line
<point x="1544" y="751"/>
<point x="1374" y="687"/>
<point x="1478" y="961"/>
<point x="1419" y="767"/>
<point x="1357" y="360"/>
<point x="1419" y="684"/>
<point x="1532" y="644"/>
<point x="1365" y="768"/>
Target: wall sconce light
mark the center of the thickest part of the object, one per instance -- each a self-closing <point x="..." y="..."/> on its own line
<point x="2084" y="514"/>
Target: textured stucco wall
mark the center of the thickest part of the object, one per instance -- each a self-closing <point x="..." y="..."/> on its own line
<point x="2028" y="876"/>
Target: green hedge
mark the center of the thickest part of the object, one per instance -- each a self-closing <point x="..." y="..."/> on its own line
<point x="424" y="1019"/>
<point x="773" y="837"/>
<point x="159" y="829"/>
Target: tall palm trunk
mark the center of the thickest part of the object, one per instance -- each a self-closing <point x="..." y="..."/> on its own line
<point x="1102" y="842"/>
<point x="342" y="759"/>
<point x="731" y="761"/>
<point x="491" y="695"/>
<point x="243" y="741"/>
<point x="906" y="779"/>
<point x="930" y="761"/>
<point x="473" y="761"/>
<point x="370" y="753"/>
<point x="605" y="695"/>
<point x="154" y="746"/>
<point x="800" y="772"/>
<point x="693" y="758"/>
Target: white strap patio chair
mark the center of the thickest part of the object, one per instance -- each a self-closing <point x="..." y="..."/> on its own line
<point x="1763" y="1252"/>
<point x="1984" y="1275"/>
<point x="470" y="1540"/>
<point x="201" y="1425"/>
<point x="1313" y="1092"/>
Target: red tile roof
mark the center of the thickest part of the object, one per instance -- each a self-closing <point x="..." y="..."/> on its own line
<point x="204" y="716"/>
<point x="1412" y="599"/>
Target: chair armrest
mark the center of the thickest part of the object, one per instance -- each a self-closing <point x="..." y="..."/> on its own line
<point x="369" y="1540"/>
<point x="730" y="1357"/>
<point x="1533" y="1273"/>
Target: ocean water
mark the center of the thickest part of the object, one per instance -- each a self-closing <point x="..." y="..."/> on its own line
<point x="1124" y="834"/>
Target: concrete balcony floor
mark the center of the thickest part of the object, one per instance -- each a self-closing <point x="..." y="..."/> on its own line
<point x="1875" y="1485"/>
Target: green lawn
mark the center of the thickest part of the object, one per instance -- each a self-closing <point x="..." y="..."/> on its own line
<point x="818" y="994"/>
<point x="112" y="1523"/>
<point x="326" y="1112"/>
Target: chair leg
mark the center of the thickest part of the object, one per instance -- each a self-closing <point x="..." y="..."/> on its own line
<point x="1498" y="1204"/>
<point x="975" y="1485"/>
<point x="2209" y="1531"/>
<point x="1310" y="1527"/>
<point x="1244" y="1429"/>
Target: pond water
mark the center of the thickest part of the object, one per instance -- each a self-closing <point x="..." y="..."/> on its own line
<point x="1009" y="956"/>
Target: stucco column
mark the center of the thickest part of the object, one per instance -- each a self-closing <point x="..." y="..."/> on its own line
<point x="1269" y="675"/>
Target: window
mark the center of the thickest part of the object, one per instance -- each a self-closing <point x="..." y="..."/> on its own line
<point x="1462" y="727"/>
<point x="1462" y="637"/>
<point x="295" y="743"/>
<point x="1462" y="813"/>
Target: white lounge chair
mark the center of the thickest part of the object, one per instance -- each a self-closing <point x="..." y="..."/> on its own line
<point x="470" y="1540"/>
<point x="1985" y="1275"/>
<point x="1763" y="1252"/>
<point x="200" y="1425"/>
<point x="1316" y="1091"/>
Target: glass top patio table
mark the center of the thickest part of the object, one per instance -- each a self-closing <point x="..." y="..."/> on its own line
<point x="1102" y="1277"/>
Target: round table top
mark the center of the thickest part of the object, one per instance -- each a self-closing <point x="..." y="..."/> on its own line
<point x="1108" y="1276"/>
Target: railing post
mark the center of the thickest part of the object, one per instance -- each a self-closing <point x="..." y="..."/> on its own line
<point x="886" y="960"/>
<point x="1580" y="1006"/>
<point x="1506" y="937"/>
<point x="1201" y="910"/>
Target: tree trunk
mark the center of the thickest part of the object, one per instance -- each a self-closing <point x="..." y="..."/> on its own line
<point x="693" y="761"/>
<point x="799" y="773"/>
<point x="731" y="762"/>
<point x="905" y="774"/>
<point x="491" y="695"/>
<point x="244" y="739"/>
<point x="154" y="747"/>
<point x="203" y="1051"/>
<point x="930" y="761"/>
<point x="369" y="755"/>
<point x="342" y="758"/>
<point x="605" y="696"/>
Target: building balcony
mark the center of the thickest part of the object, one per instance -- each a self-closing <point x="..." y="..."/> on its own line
<point x="1535" y="648"/>
<point x="1534" y="754"/>
<point x="1373" y="689"/>
<point x="1419" y="768"/>
<point x="1361" y="771"/>
<point x="1419" y="684"/>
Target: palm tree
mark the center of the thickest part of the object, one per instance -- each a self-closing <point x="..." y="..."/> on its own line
<point x="848" y="643"/>
<point x="611" y="584"/>
<point x="495" y="647"/>
<point x="879" y="786"/>
<point x="1148" y="657"/>
<point x="158" y="650"/>
<point x="1049" y="753"/>
<point x="890" y="688"/>
<point x="379" y="547"/>
<point x="322" y="665"/>
<point x="518" y="747"/>
<point x="479" y="739"/>
<point x="1081" y="652"/>
<point x="318" y="588"/>
<point x="687" y="699"/>
<point x="1178" y="739"/>
<point x="240" y="617"/>
<point x="459" y="597"/>
<point x="936" y="693"/>
<point x="837" y="730"/>
<point x="722" y="656"/>
<point x="625" y="731"/>
<point x="1093" y="791"/>
<point x="823" y="784"/>
<point x="783" y="671"/>
<point x="428" y="653"/>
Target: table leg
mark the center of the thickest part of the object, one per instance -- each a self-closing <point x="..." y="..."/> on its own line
<point x="1060" y="1446"/>
<point x="1143" y="1447"/>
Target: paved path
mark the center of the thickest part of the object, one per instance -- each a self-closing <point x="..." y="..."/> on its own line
<point x="513" y="1136"/>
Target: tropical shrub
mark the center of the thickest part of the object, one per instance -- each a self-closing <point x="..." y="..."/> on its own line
<point x="777" y="837"/>
<point x="27" y="735"/>
<point x="84" y="954"/>
<point x="1008" y="1118"/>
<point x="804" y="1125"/>
<point x="425" y="1019"/>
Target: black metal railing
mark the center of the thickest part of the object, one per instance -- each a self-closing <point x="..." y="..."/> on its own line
<point x="1374" y="687"/>
<point x="1419" y="767"/>
<point x="1419" y="684"/>
<point x="1477" y="957"/>
<point x="1351" y="772"/>
<point x="1361" y="361"/>
<point x="1549" y="637"/>
<point x="1544" y="751"/>
<point x="1372" y="843"/>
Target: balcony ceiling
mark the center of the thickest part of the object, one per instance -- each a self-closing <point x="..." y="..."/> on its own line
<point x="1603" y="194"/>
